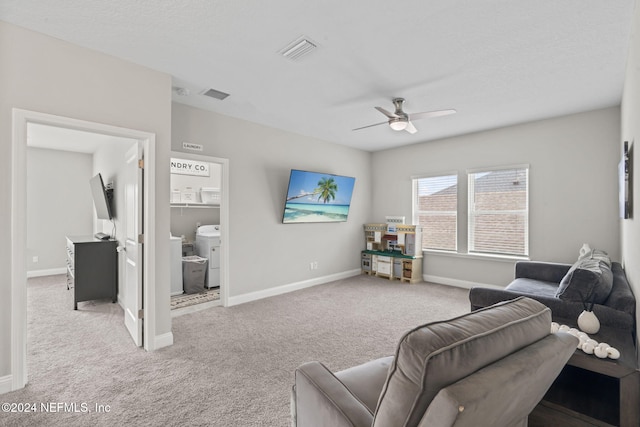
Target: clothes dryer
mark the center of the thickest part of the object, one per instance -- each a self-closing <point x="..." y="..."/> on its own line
<point x="208" y="246"/>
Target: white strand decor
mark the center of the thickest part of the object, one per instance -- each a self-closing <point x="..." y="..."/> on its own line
<point x="586" y="344"/>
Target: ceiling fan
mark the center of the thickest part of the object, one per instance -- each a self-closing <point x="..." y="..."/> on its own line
<point x="399" y="120"/>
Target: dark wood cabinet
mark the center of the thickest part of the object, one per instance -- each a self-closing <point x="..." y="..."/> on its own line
<point x="92" y="268"/>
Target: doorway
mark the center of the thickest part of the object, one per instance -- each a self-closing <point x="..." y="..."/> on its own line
<point x="21" y="121"/>
<point x="200" y="188"/>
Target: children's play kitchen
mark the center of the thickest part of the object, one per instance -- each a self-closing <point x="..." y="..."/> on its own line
<point x="393" y="250"/>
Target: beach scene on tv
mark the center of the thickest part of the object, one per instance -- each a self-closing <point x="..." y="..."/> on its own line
<point x="317" y="197"/>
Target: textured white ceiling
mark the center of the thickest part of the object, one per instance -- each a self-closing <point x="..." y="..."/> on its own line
<point x="498" y="62"/>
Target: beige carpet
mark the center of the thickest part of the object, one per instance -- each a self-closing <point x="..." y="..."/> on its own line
<point x="228" y="367"/>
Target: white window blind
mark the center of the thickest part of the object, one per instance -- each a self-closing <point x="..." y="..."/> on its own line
<point x="499" y="211"/>
<point x="436" y="210"/>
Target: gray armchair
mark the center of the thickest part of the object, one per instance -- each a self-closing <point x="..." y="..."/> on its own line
<point x="490" y="367"/>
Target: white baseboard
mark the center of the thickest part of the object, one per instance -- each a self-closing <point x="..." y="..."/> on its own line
<point x="457" y="283"/>
<point x="279" y="290"/>
<point x="49" y="272"/>
<point x="6" y="384"/>
<point x="164" y="340"/>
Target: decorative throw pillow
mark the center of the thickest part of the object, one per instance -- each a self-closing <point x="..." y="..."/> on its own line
<point x="596" y="254"/>
<point x="589" y="280"/>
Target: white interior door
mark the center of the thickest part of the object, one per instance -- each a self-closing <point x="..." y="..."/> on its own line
<point x="131" y="288"/>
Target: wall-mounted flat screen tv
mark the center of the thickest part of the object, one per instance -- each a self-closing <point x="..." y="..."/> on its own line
<point x="317" y="197"/>
<point x="625" y="183"/>
<point x="101" y="198"/>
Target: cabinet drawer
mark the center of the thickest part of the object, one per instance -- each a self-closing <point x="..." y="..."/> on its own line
<point x="70" y="280"/>
<point x="70" y="248"/>
<point x="384" y="267"/>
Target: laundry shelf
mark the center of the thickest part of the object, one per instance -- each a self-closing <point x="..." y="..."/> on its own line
<point x="195" y="205"/>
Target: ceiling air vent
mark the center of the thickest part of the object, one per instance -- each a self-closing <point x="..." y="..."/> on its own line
<point x="298" y="48"/>
<point x="215" y="94"/>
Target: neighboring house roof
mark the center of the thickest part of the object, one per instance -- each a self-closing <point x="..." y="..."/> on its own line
<point x="501" y="180"/>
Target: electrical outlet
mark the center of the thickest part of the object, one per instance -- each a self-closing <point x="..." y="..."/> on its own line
<point x="315" y="265"/>
<point x="35" y="259"/>
<point x="311" y="266"/>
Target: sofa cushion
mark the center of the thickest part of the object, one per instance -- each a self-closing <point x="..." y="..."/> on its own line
<point x="588" y="280"/>
<point x="435" y="355"/>
<point x="533" y="287"/>
<point x="621" y="297"/>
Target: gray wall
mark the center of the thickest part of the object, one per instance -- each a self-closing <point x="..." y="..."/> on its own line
<point x="44" y="74"/>
<point x="109" y="161"/>
<point x="631" y="133"/>
<point x="573" y="188"/>
<point x="58" y="204"/>
<point x="59" y="201"/>
<point x="264" y="253"/>
<point x="184" y="220"/>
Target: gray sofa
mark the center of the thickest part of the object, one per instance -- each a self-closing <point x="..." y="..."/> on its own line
<point x="613" y="301"/>
<point x="487" y="368"/>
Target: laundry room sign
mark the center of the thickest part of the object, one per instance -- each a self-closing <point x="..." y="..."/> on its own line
<point x="191" y="146"/>
<point x="189" y="167"/>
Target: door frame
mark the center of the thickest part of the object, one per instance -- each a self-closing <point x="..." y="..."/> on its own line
<point x="224" y="217"/>
<point x="20" y="119"/>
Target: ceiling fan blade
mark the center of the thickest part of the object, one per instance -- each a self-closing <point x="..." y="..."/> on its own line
<point x="428" y="114"/>
<point x="377" y="124"/>
<point x="387" y="113"/>
<point x="411" y="128"/>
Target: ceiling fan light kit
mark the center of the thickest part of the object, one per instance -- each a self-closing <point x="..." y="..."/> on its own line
<point x="398" y="124"/>
<point x="399" y="120"/>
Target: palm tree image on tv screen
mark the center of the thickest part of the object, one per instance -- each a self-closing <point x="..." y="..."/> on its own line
<point x="317" y="197"/>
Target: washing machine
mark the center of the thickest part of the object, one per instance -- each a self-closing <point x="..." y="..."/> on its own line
<point x="175" y="259"/>
<point x="208" y="246"/>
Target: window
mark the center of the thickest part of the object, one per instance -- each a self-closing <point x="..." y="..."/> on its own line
<point x="436" y="210"/>
<point x="499" y="211"/>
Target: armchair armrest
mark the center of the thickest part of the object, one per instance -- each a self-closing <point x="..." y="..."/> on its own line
<point x="321" y="399"/>
<point x="545" y="271"/>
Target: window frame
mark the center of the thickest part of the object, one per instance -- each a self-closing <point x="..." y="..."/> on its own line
<point x="472" y="213"/>
<point x="416" y="212"/>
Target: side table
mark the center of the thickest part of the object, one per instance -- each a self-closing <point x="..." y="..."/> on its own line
<point x="594" y="391"/>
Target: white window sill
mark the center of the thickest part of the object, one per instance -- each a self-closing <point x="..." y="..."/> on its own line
<point x="488" y="257"/>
